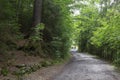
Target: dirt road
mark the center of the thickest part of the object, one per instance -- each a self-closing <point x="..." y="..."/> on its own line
<point x="87" y="67"/>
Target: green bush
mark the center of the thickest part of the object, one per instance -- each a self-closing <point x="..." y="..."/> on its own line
<point x="9" y="35"/>
<point x="4" y="71"/>
<point x="33" y="46"/>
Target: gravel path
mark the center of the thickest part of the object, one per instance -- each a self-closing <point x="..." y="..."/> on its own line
<point x="87" y="67"/>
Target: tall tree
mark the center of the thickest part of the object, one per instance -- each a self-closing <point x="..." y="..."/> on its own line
<point x="37" y="12"/>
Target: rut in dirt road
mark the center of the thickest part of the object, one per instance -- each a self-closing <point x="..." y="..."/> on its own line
<point x="87" y="67"/>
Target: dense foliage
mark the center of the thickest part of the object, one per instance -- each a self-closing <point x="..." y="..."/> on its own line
<point x="58" y="30"/>
<point x="51" y="38"/>
<point x="95" y="28"/>
<point x="100" y="29"/>
<point x="9" y="28"/>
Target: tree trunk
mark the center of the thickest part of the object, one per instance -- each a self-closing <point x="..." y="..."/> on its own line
<point x="37" y="12"/>
<point x="19" y="3"/>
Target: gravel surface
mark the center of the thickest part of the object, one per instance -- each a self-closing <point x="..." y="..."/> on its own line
<point x="87" y="67"/>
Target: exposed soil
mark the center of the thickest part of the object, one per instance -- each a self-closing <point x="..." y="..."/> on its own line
<point x="20" y="58"/>
<point x="45" y="73"/>
<point x="17" y="58"/>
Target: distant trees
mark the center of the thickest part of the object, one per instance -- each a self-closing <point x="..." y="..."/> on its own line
<point x="99" y="29"/>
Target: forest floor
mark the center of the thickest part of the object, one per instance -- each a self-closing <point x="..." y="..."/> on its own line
<point x="45" y="73"/>
<point x="14" y="68"/>
<point x="87" y="67"/>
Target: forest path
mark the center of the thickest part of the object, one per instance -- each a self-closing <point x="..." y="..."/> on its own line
<point x="87" y="67"/>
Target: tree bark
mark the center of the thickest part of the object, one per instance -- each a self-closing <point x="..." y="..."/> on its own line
<point x="37" y="12"/>
<point x="19" y="2"/>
